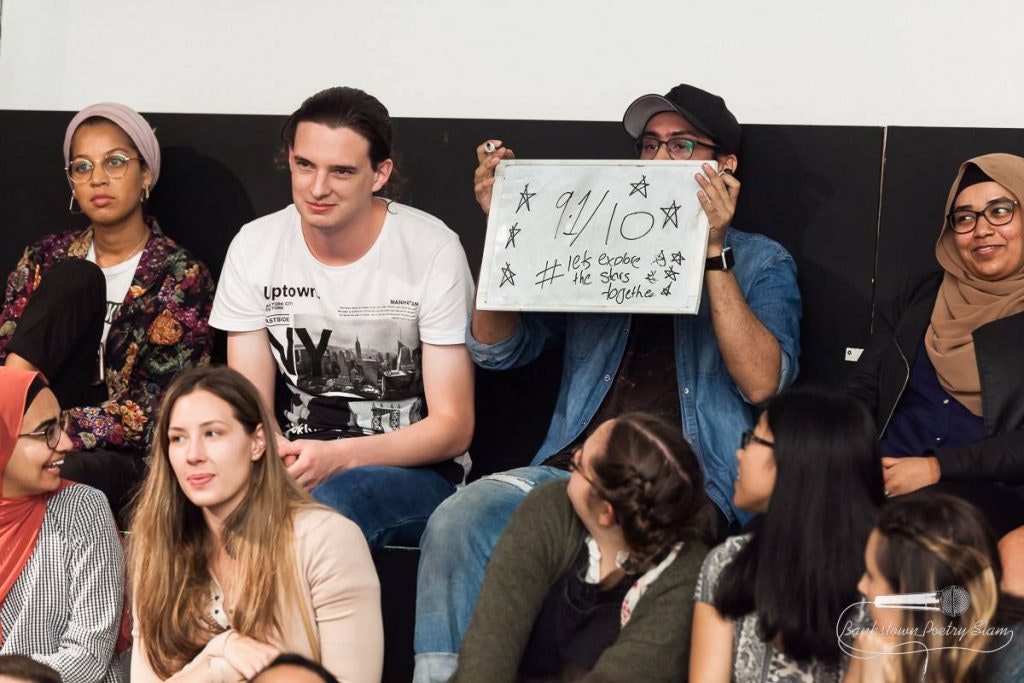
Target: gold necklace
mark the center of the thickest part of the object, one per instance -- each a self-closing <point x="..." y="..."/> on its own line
<point x="138" y="247"/>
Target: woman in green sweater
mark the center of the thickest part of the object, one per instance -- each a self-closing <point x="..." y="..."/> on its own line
<point x="594" y="577"/>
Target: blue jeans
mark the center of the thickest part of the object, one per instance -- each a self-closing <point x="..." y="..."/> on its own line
<point x="454" y="552"/>
<point x="390" y="504"/>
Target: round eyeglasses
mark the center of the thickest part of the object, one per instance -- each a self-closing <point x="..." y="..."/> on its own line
<point x="997" y="213"/>
<point x="680" y="149"/>
<point x="52" y="432"/>
<point x="114" y="166"/>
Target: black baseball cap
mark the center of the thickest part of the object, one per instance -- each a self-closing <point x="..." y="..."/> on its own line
<point x="705" y="111"/>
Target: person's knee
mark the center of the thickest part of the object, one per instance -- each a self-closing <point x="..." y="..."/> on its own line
<point x="470" y="521"/>
<point x="344" y="492"/>
<point x="76" y="275"/>
<point x="79" y="269"/>
<point x="451" y="521"/>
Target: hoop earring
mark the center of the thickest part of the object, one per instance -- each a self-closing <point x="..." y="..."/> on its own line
<point x="144" y="197"/>
<point x="71" y="205"/>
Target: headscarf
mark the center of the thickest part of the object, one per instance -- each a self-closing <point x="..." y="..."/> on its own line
<point x="966" y="302"/>
<point x="128" y="120"/>
<point x="21" y="517"/>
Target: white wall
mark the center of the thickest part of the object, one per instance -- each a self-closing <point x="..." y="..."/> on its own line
<point x="901" y="62"/>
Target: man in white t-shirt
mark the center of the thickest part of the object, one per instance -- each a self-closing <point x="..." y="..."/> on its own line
<point x="361" y="305"/>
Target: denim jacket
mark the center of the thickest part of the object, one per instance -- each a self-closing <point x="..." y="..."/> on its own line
<point x="714" y="410"/>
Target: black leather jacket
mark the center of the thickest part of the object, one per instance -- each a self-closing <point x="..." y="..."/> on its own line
<point x="882" y="373"/>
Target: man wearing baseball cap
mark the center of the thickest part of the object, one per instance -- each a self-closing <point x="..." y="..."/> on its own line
<point x="705" y="372"/>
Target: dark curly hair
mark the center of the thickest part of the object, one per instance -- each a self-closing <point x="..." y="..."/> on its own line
<point x="651" y="477"/>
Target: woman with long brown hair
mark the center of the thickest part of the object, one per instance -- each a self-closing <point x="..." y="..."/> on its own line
<point x="231" y="561"/>
<point x="933" y="543"/>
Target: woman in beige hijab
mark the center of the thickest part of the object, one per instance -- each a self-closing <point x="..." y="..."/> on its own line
<point x="944" y="371"/>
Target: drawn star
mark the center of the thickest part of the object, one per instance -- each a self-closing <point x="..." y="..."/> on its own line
<point x="507" y="276"/>
<point x="659" y="259"/>
<point x="677" y="258"/>
<point x="651" y="277"/>
<point x="671" y="214"/>
<point x="671" y="273"/>
<point x="668" y="290"/>
<point x="640" y="187"/>
<point x="524" y="198"/>
<point x="512" y="232"/>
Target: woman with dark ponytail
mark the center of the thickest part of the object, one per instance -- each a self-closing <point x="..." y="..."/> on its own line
<point x="593" y="578"/>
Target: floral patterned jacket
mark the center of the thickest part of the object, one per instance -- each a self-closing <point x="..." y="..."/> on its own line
<point x="161" y="329"/>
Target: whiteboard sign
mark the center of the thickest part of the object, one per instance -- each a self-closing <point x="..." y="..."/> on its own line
<point x="627" y="236"/>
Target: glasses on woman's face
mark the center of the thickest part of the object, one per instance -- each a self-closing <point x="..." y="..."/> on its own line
<point x="576" y="465"/>
<point x="52" y="432"/>
<point x="114" y="166"/>
<point x="997" y="213"/>
<point x="749" y="437"/>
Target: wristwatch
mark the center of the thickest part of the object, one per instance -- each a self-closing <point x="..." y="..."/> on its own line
<point x="724" y="261"/>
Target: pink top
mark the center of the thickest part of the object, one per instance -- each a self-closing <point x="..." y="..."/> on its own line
<point x="342" y="594"/>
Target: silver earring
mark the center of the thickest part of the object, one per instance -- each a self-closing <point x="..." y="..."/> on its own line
<point x="145" y="195"/>
<point x="71" y="204"/>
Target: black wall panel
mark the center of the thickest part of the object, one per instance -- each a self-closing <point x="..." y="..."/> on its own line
<point x="815" y="189"/>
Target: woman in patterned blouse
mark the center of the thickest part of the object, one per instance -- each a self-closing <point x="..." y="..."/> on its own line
<point x="120" y="287"/>
<point x="61" y="566"/>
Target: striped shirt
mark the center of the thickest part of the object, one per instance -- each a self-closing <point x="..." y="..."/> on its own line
<point x="65" y="608"/>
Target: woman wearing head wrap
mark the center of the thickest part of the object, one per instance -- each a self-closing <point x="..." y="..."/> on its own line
<point x="120" y="286"/>
<point x="944" y="371"/>
<point x="61" y="565"/>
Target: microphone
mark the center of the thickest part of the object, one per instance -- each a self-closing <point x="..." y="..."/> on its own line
<point x="952" y="601"/>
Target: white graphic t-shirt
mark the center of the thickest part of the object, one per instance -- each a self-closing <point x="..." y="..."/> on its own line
<point x="347" y="339"/>
<point x="119" y="279"/>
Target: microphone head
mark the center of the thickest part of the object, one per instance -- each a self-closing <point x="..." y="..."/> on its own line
<point x="954" y="601"/>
